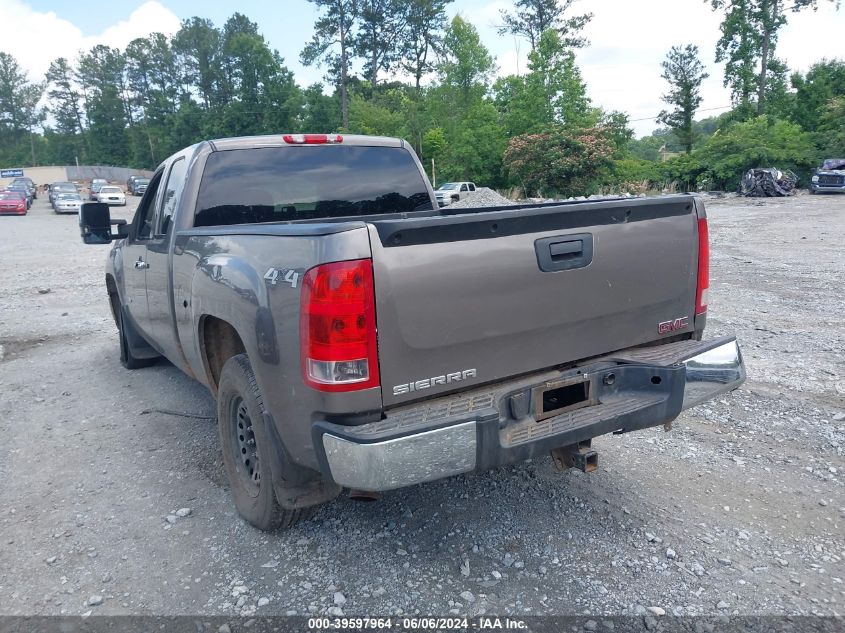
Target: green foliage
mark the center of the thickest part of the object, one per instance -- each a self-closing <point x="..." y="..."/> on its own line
<point x="814" y="91"/>
<point x="18" y="111"/>
<point x="531" y="18"/>
<point x="332" y="46"/>
<point x="729" y="153"/>
<point x="831" y="130"/>
<point x="551" y="93"/>
<point x="421" y="36"/>
<point x="467" y="65"/>
<point x="562" y="161"/>
<point x="685" y="73"/>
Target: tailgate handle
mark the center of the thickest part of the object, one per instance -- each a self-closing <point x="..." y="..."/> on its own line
<point x="564" y="252"/>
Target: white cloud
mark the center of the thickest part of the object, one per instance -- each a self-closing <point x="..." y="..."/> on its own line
<point x="37" y="38"/>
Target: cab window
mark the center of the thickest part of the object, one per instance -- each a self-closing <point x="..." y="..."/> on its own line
<point x="172" y="193"/>
<point x="146" y="211"/>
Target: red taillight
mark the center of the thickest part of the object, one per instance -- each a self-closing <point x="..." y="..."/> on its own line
<point x="703" y="267"/>
<point x="338" y="327"/>
<point x="312" y="139"/>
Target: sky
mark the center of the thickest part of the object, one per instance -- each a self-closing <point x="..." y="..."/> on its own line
<point x="621" y="66"/>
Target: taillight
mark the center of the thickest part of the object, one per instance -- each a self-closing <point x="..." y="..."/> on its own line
<point x="703" y="267"/>
<point x="338" y="327"/>
<point x="312" y="139"/>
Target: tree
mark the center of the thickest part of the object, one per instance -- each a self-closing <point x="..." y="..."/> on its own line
<point x="466" y="65"/>
<point x="197" y="47"/>
<point x="532" y="17"/>
<point x="757" y="142"/>
<point x="685" y="73"/>
<point x="749" y="37"/>
<point x="561" y="161"/>
<point x="824" y="81"/>
<point x="380" y="28"/>
<point x="551" y="93"/>
<point x="64" y="97"/>
<point x="18" y="104"/>
<point x="332" y="45"/>
<point x="423" y="21"/>
<point x="101" y="71"/>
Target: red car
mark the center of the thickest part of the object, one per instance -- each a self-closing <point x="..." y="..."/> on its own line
<point x="12" y="203"/>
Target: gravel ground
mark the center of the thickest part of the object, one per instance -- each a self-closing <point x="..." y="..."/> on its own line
<point x="110" y="506"/>
<point x="481" y="197"/>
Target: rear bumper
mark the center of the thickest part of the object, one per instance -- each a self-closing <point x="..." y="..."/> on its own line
<point x="488" y="427"/>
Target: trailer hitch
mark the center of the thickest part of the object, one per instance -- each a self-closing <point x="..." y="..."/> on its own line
<point x="579" y="456"/>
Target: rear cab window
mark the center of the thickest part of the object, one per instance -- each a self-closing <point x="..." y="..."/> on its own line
<point x="289" y="183"/>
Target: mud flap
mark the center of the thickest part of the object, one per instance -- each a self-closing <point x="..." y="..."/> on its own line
<point x="295" y="486"/>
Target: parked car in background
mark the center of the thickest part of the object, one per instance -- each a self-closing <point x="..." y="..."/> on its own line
<point x="29" y="183"/>
<point x="139" y="186"/>
<point x="111" y="194"/>
<point x="61" y="187"/>
<point x="95" y="187"/>
<point x="830" y="176"/>
<point x="13" y="203"/>
<point x="67" y="203"/>
<point x="450" y="192"/>
<point x="24" y="189"/>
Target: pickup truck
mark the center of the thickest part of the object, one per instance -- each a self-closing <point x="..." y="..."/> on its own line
<point x="450" y="192"/>
<point x="830" y="176"/>
<point x="356" y="336"/>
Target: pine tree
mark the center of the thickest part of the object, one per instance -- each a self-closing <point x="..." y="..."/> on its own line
<point x="685" y="73"/>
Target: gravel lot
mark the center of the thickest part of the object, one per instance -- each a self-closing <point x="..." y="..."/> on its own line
<point x="740" y="509"/>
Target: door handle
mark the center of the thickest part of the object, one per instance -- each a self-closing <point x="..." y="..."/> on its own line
<point x="141" y="264"/>
<point x="563" y="250"/>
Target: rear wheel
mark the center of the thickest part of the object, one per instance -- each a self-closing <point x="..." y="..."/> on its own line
<point x="240" y="408"/>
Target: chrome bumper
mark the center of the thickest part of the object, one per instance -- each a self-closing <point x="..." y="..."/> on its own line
<point x="422" y="455"/>
<point x="402" y="461"/>
<point x="712" y="373"/>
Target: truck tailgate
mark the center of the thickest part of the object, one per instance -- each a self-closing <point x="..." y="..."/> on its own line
<point x="484" y="295"/>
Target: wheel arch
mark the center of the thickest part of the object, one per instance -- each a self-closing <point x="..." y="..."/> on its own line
<point x="219" y="341"/>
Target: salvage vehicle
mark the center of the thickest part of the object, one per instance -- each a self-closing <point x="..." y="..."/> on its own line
<point x="22" y="189"/>
<point x="356" y="336"/>
<point x="23" y="180"/>
<point x="13" y="203"/>
<point x="139" y="186"/>
<point x="830" y="176"/>
<point x="111" y="194"/>
<point x="96" y="185"/>
<point x="60" y="187"/>
<point x="67" y="203"/>
<point x="450" y="192"/>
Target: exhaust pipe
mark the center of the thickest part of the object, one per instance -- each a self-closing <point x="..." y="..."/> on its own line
<point x="363" y="495"/>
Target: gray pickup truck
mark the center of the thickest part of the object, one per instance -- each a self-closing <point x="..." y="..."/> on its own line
<point x="355" y="335"/>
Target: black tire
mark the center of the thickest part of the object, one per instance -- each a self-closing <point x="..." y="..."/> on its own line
<point x="240" y="407"/>
<point x="126" y="358"/>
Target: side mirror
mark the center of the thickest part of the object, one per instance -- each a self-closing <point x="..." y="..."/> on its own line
<point x="95" y="224"/>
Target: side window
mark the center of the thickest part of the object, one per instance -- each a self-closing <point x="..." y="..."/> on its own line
<point x="172" y="193"/>
<point x="471" y="187"/>
<point x="464" y="187"/>
<point x="146" y="210"/>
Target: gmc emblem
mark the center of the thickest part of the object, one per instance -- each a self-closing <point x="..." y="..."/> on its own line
<point x="670" y="326"/>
